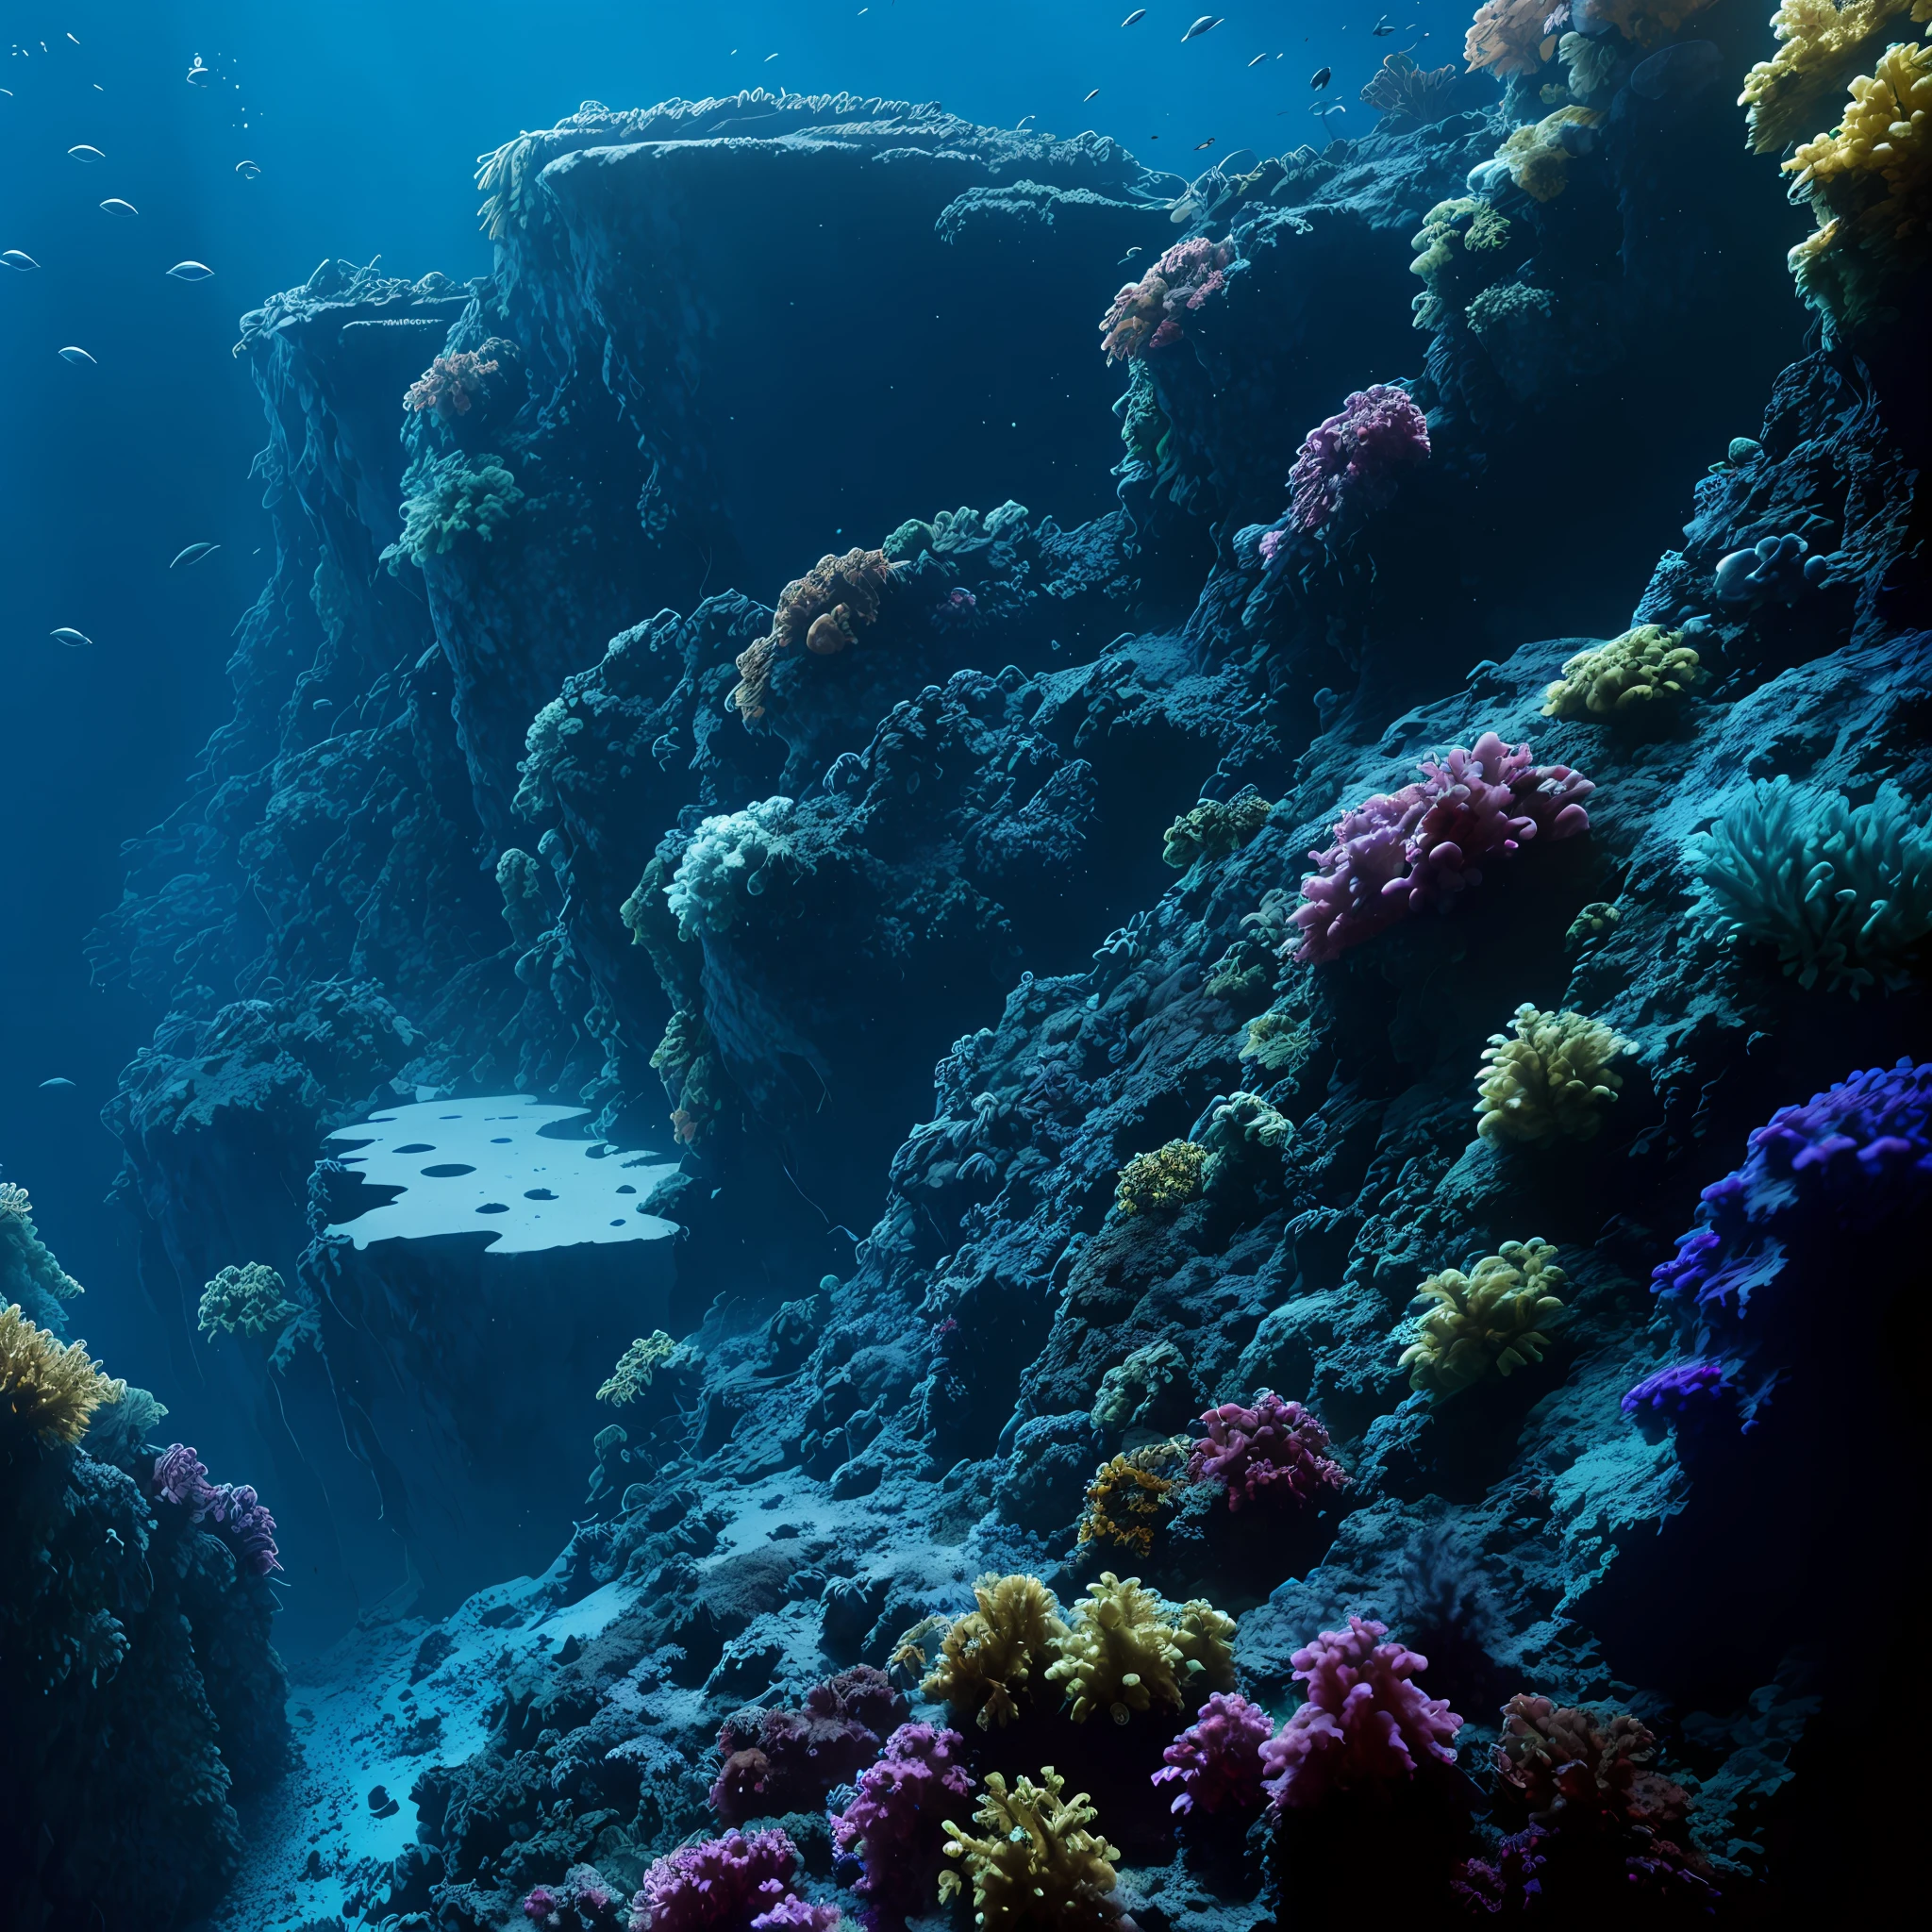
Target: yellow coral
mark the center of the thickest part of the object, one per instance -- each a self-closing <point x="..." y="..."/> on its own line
<point x="1276" y="1040"/>
<point x="1493" y="1318"/>
<point x="1126" y="1495"/>
<point x="1822" y="43"/>
<point x="1168" y="1177"/>
<point x="1452" y="247"/>
<point x="1627" y="674"/>
<point x="1551" y="1081"/>
<point x="45" y="1388"/>
<point x="1539" y="162"/>
<point x="991" y="1654"/>
<point x="1870" y="185"/>
<point x="1037" y="1868"/>
<point x="1130" y="1650"/>
<point x="632" y="1375"/>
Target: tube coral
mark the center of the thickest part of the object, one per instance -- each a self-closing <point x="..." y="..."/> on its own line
<point x="1364" y="1724"/>
<point x="1217" y="1761"/>
<point x="1348" y="463"/>
<point x="50" y="1391"/>
<point x="1493" y="1317"/>
<point x="993" y="1654"/>
<point x="1271" y="1453"/>
<point x="1425" y="844"/>
<point x="1039" y="1868"/>
<point x="1627" y="676"/>
<point x="1549" y="1078"/>
<point x="895" y="1822"/>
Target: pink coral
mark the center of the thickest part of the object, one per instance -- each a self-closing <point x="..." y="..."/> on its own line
<point x="1217" y="1761"/>
<point x="725" y="1884"/>
<point x="1146" y="314"/>
<point x="787" y="1760"/>
<point x="1394" y="855"/>
<point x="1510" y="37"/>
<point x="1346" y="465"/>
<point x="1364" y="1725"/>
<point x="1271" y="1453"/>
<point x="581" y="1904"/>
<point x="450" y="384"/>
<point x="895" y="1822"/>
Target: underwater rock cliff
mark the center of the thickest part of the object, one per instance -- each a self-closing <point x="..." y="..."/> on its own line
<point x="1265" y="1333"/>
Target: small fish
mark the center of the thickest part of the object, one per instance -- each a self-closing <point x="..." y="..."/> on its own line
<point x="194" y="553"/>
<point x="1085" y="99"/>
<point x="1321" y="77"/>
<point x="58" y="1080"/>
<point x="248" y="170"/>
<point x="87" y="156"/>
<point x="115" y="206"/>
<point x="1258" y="60"/>
<point x="1209" y="142"/>
<point x="768" y="58"/>
<point x="191" y="272"/>
<point x="79" y="358"/>
<point x="323" y="704"/>
<point x="1205" y="24"/>
<point x="74" y="639"/>
<point x="19" y="259"/>
<point x="1139" y="14"/>
<point x="1381" y="30"/>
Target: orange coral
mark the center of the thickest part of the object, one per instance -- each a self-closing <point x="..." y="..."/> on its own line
<point x="450" y="384"/>
<point x="1510" y="37"/>
<point x="1131" y="1487"/>
<point x="823" y="610"/>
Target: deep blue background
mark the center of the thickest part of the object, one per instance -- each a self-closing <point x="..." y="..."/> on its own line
<point x="364" y="117"/>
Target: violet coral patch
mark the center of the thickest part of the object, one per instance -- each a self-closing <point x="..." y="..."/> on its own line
<point x="181" y="1478"/>
<point x="1348" y="464"/>
<point x="895" y="1824"/>
<point x="1426" y="843"/>
<point x="1217" y="1761"/>
<point x="1271" y="1453"/>
<point x="1365" y="1724"/>
<point x="720" y="1885"/>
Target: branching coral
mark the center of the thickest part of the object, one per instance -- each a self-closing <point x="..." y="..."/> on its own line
<point x="1126" y="1498"/>
<point x="1216" y="829"/>
<point x="1348" y="465"/>
<point x="1399" y="87"/>
<point x="1538" y="157"/>
<point x="1822" y="43"/>
<point x="897" y="1821"/>
<point x="1755" y="1282"/>
<point x="1217" y="1761"/>
<point x="451" y="499"/>
<point x="1148" y="314"/>
<point x="634" y="1366"/>
<point x="1509" y="37"/>
<point x="251" y="1298"/>
<point x="181" y="1478"/>
<point x="1130" y="1650"/>
<point x="995" y="1654"/>
<point x="1168" y="1177"/>
<point x="1493" y="1317"/>
<point x="1461" y="247"/>
<point x="1629" y="675"/>
<point x="451" y="384"/>
<point x="1365" y="1725"/>
<point x="1426" y="843"/>
<point x="825" y="610"/>
<point x="720" y="1885"/>
<point x="46" y="1389"/>
<point x="1845" y="893"/>
<point x="772" y="1761"/>
<point x="1869" y="181"/>
<point x="1039" y="1868"/>
<point x="1276" y="1041"/>
<point x="1549" y="1078"/>
<point x="731" y="858"/>
<point x="1271" y="1453"/>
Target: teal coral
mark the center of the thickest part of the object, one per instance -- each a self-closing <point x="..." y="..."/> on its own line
<point x="451" y="499"/>
<point x="246" y="1299"/>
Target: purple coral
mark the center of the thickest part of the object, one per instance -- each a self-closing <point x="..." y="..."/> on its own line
<point x="1847" y="1162"/>
<point x="728" y="1884"/>
<point x="1365" y="1725"/>
<point x="895" y="1823"/>
<point x="1426" y="843"/>
<point x="1680" y="1390"/>
<point x="1348" y="465"/>
<point x="181" y="1478"/>
<point x="1269" y="1453"/>
<point x="582" y="1903"/>
<point x="1146" y="314"/>
<point x="1217" y="1761"/>
<point x="796" y="1912"/>
<point x="787" y="1760"/>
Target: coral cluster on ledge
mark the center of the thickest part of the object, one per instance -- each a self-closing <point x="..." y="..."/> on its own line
<point x="1491" y="1318"/>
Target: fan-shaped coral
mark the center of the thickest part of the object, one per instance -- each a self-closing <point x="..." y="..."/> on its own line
<point x="251" y="1298"/>
<point x="1493" y="1318"/>
<point x="995" y="1654"/>
<point x="1629" y="675"/>
<point x="1130" y="1650"/>
<point x="1822" y="43"/>
<point x="1399" y="87"/>
<point x="45" y="1389"/>
<point x="1549" y="1078"/>
<point x="823" y="610"/>
<point x="1843" y="892"/>
<point x="1039" y="1868"/>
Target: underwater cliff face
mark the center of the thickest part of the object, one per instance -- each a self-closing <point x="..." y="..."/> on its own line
<point x="1368" y="1379"/>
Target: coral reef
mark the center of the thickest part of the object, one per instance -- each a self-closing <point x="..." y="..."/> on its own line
<point x="1217" y="1761"/>
<point x="1125" y="1497"/>
<point x="1549" y="1078"/>
<point x="1626" y="677"/>
<point x="991" y="1657"/>
<point x="729" y="1884"/>
<point x="895" y="1823"/>
<point x="1271" y="1452"/>
<point x="1148" y="314"/>
<point x="1037" y="1867"/>
<point x="251" y="1300"/>
<point x="49" y="1390"/>
<point x="1822" y="44"/>
<point x="1491" y="1318"/>
<point x="1349" y="464"/>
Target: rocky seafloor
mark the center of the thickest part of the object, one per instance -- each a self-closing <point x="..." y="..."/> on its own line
<point x="1577" y="659"/>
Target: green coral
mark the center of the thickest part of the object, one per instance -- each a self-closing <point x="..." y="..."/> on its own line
<point x="251" y="1299"/>
<point x="1216" y="829"/>
<point x="452" y="498"/>
<point x="1039" y="1868"/>
<point x="1627" y="677"/>
<point x="1596" y="919"/>
<point x="1549" y="1078"/>
<point x="635" y="1366"/>
<point x="1130" y="1650"/>
<point x="1168" y="1177"/>
<point x="1491" y="1318"/>
<point x="1277" y="1041"/>
<point x="911" y="539"/>
<point x="1459" y="251"/>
